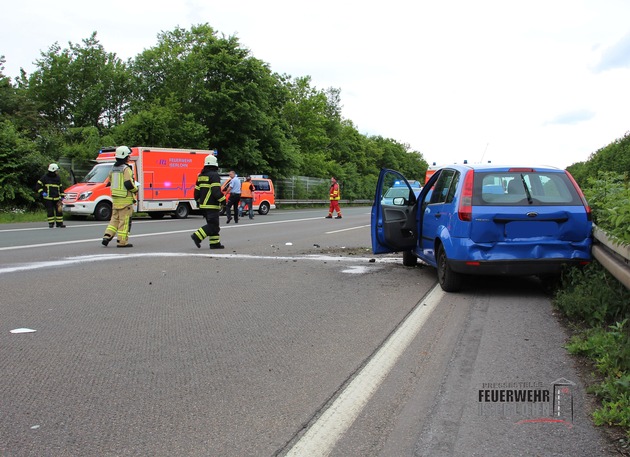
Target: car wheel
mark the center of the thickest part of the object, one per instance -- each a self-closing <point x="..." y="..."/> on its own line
<point x="263" y="208"/>
<point x="449" y="280"/>
<point x="103" y="211"/>
<point x="409" y="259"/>
<point x="156" y="214"/>
<point x="182" y="211"/>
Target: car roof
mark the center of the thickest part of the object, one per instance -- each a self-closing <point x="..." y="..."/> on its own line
<point x="500" y="167"/>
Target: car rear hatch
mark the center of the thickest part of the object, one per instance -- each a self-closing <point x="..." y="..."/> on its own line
<point x="528" y="206"/>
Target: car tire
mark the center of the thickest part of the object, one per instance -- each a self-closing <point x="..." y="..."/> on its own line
<point x="449" y="280"/>
<point x="409" y="259"/>
<point x="263" y="208"/>
<point x="103" y="211"/>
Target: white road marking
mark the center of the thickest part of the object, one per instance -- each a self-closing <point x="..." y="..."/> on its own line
<point x="322" y="436"/>
<point x="346" y="229"/>
<point x="103" y="257"/>
<point x="229" y="227"/>
<point x="104" y="224"/>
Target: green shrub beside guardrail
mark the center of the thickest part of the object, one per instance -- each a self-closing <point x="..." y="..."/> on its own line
<point x="600" y="305"/>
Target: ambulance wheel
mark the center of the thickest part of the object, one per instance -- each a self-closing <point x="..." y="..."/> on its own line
<point x="263" y="208"/>
<point x="182" y="211"/>
<point x="103" y="211"/>
<point x="156" y="214"/>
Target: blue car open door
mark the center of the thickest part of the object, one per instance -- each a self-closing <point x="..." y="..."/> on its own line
<point x="393" y="220"/>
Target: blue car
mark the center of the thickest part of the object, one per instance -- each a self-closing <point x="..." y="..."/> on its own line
<point x="485" y="220"/>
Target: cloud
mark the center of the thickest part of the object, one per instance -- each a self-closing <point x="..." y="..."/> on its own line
<point x="572" y="117"/>
<point x="616" y="56"/>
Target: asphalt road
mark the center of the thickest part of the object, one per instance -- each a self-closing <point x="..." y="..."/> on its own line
<point x="294" y="340"/>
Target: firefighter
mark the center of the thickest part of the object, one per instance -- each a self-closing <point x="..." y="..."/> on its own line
<point x="124" y="190"/>
<point x="335" y="196"/>
<point x="209" y="199"/>
<point x="49" y="189"/>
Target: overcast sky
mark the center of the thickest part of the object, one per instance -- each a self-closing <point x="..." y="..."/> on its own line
<point x="536" y="81"/>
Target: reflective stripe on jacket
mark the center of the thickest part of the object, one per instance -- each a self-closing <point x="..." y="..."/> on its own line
<point x="334" y="192"/>
<point x="121" y="195"/>
<point x="50" y="183"/>
<point x="208" y="190"/>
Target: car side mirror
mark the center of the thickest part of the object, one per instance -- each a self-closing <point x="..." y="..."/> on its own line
<point x="399" y="201"/>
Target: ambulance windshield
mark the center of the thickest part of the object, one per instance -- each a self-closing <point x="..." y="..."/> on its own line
<point x="99" y="173"/>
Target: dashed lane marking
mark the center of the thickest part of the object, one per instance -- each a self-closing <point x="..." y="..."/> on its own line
<point x="346" y="229"/>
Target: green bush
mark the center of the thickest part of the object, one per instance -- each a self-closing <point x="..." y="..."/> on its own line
<point x="610" y="349"/>
<point x="593" y="296"/>
<point x="609" y="197"/>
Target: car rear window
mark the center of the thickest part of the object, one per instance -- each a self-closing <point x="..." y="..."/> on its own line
<point x="508" y="188"/>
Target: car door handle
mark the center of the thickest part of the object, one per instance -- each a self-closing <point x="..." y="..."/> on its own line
<point x="438" y="215"/>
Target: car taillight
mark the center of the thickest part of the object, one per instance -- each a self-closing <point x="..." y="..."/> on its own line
<point x="521" y="170"/>
<point x="465" y="202"/>
<point x="589" y="217"/>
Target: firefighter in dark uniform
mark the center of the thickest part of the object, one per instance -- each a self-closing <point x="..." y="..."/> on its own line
<point x="49" y="189"/>
<point x="209" y="199"/>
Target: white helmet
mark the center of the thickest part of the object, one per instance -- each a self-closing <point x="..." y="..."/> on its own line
<point x="122" y="152"/>
<point x="53" y="167"/>
<point x="211" y="160"/>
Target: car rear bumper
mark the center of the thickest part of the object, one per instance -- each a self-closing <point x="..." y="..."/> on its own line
<point x="543" y="256"/>
<point x="515" y="267"/>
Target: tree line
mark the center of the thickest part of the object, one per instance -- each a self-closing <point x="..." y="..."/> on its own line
<point x="613" y="158"/>
<point x="194" y="89"/>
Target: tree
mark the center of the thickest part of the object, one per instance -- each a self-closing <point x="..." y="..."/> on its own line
<point x="232" y="95"/>
<point x="81" y="86"/>
<point x="20" y="167"/>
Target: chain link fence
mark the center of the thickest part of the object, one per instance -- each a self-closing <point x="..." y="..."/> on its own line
<point x="302" y="187"/>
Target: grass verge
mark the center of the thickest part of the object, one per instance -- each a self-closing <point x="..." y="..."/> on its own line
<point x="599" y="308"/>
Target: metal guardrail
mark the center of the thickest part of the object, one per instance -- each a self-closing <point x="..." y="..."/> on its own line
<point x="614" y="257"/>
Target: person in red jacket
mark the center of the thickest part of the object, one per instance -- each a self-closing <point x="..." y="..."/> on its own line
<point x="335" y="196"/>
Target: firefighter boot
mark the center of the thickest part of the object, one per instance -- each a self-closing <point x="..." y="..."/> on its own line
<point x="217" y="246"/>
<point x="195" y="240"/>
<point x="106" y="240"/>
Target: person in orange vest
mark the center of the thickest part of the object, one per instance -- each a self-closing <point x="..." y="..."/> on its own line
<point x="247" y="197"/>
<point x="335" y="196"/>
